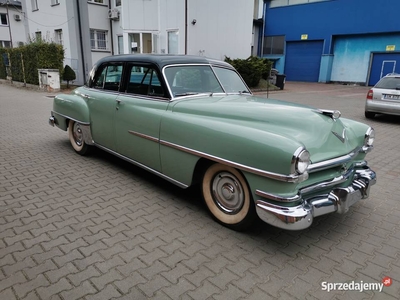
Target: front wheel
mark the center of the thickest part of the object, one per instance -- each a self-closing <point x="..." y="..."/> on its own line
<point x="76" y="138"/>
<point x="227" y="197"/>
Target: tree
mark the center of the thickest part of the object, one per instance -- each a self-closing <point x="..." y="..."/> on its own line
<point x="68" y="74"/>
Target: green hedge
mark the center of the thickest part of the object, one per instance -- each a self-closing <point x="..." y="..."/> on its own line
<point x="31" y="57"/>
<point x="251" y="69"/>
<point x="3" y="71"/>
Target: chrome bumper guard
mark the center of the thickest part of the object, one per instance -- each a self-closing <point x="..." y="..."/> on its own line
<point x="338" y="200"/>
<point x="52" y="121"/>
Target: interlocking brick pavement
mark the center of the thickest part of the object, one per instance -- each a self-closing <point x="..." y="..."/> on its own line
<point x="96" y="227"/>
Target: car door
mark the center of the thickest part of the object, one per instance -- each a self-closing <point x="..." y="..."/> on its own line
<point x="138" y="115"/>
<point x="101" y="99"/>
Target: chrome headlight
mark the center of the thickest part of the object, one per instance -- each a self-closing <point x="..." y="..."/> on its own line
<point x="369" y="138"/>
<point x="301" y="160"/>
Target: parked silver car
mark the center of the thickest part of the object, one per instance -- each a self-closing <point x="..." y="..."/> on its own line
<point x="384" y="97"/>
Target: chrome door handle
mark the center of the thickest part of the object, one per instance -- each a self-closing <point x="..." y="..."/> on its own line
<point x="85" y="95"/>
<point x="118" y="101"/>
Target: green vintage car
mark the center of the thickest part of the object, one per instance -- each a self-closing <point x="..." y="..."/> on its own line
<point x="193" y="120"/>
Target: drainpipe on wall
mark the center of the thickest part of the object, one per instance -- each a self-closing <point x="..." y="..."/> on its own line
<point x="81" y="41"/>
<point x="111" y="31"/>
<point x="263" y="28"/>
<point x="186" y="25"/>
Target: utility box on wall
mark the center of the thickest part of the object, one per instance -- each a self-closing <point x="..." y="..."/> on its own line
<point x="49" y="79"/>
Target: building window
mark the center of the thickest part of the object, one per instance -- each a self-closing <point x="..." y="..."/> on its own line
<point x="3" y="19"/>
<point x="279" y="3"/>
<point x="120" y="44"/>
<point x="118" y="2"/>
<point x="173" y="42"/>
<point x="5" y="44"/>
<point x="96" y="1"/>
<point x="34" y="5"/>
<point x="274" y="45"/>
<point x="58" y="36"/>
<point x="55" y="2"/>
<point x="98" y="39"/>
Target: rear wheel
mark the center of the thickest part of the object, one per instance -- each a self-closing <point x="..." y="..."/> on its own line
<point x="76" y="138"/>
<point x="227" y="197"/>
<point x="369" y="115"/>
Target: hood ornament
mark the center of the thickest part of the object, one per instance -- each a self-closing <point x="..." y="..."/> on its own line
<point x="342" y="137"/>
<point x="334" y="114"/>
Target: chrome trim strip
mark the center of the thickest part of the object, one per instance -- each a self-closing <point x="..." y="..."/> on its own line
<point x="326" y="164"/>
<point x="276" y="176"/>
<point x="326" y="184"/>
<point x="361" y="164"/>
<point x="134" y="162"/>
<point x="338" y="200"/>
<point x="145" y="136"/>
<point x="64" y="116"/>
<point x="315" y="187"/>
<point x="278" y="198"/>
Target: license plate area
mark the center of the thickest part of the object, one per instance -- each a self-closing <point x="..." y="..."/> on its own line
<point x="391" y="97"/>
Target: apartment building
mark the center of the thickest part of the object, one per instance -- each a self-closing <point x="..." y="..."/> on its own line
<point x="92" y="29"/>
<point x="12" y="30"/>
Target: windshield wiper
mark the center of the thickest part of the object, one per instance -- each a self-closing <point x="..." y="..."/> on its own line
<point x="186" y="94"/>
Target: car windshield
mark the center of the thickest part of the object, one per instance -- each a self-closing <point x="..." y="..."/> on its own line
<point x="191" y="80"/>
<point x="231" y="81"/>
<point x="185" y="80"/>
<point x="389" y="83"/>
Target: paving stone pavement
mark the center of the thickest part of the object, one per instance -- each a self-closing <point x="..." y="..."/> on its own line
<point x="74" y="227"/>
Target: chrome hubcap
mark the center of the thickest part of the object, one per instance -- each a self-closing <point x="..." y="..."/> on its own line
<point x="227" y="193"/>
<point x="78" y="135"/>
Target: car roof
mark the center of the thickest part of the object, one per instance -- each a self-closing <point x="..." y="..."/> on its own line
<point x="162" y="60"/>
<point x="392" y="75"/>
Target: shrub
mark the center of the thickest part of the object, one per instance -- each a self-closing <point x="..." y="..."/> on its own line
<point x="26" y="60"/>
<point x="251" y="69"/>
<point x="68" y="74"/>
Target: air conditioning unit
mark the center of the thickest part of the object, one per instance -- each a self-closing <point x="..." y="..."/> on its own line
<point x="17" y="17"/>
<point x="113" y="14"/>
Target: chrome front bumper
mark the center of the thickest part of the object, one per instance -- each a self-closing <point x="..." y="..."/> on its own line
<point x="338" y="200"/>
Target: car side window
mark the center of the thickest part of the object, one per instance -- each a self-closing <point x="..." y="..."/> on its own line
<point x="144" y="81"/>
<point x="108" y="77"/>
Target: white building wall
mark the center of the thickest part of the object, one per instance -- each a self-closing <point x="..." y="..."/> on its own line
<point x="223" y="28"/>
<point x="98" y="20"/>
<point x="46" y="19"/>
<point x="17" y="27"/>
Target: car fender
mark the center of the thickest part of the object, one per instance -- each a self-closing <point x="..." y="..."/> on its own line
<point x="70" y="107"/>
<point x="185" y="138"/>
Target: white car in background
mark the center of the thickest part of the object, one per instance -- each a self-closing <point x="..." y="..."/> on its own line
<point x="384" y="97"/>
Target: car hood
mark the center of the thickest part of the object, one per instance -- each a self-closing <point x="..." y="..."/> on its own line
<point x="322" y="136"/>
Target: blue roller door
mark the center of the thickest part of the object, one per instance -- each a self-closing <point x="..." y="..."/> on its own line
<point x="303" y="60"/>
<point x="382" y="64"/>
